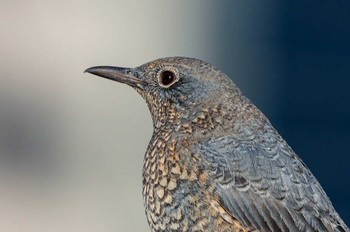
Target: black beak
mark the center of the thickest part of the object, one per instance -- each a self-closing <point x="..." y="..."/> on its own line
<point x="119" y="74"/>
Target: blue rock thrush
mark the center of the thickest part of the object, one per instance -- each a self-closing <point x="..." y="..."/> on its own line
<point x="215" y="162"/>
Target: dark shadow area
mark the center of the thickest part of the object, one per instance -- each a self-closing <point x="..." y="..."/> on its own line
<point x="315" y="110"/>
<point x="294" y="64"/>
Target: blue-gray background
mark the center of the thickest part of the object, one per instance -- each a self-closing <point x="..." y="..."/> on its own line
<point x="307" y="44"/>
<point x="71" y="145"/>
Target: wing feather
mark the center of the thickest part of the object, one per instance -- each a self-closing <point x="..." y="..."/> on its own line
<point x="265" y="185"/>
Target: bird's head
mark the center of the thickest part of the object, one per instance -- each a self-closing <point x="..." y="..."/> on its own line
<point x="175" y="88"/>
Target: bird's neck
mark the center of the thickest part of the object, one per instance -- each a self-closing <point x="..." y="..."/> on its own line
<point x="187" y="121"/>
<point x="216" y="118"/>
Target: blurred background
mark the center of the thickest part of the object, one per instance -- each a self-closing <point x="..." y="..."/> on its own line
<point x="72" y="144"/>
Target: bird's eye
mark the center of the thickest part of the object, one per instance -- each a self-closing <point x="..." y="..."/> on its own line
<point x="166" y="78"/>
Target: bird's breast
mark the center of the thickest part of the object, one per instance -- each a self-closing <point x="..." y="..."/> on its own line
<point x="177" y="191"/>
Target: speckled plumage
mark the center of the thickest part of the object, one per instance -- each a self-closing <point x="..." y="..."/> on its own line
<point x="215" y="163"/>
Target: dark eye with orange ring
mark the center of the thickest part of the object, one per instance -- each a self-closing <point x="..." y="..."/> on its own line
<point x="167" y="78"/>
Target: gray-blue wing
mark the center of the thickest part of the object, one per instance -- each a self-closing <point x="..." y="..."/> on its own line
<point x="267" y="187"/>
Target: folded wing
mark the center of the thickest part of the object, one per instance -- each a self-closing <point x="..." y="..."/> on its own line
<point x="267" y="187"/>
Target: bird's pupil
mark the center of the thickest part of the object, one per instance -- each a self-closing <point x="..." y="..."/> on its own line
<point x="167" y="77"/>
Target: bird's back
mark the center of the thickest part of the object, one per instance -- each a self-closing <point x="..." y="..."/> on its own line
<point x="264" y="184"/>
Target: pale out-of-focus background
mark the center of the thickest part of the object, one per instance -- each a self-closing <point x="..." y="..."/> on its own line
<point x="72" y="145"/>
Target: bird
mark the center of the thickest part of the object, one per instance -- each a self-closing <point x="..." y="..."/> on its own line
<point x="214" y="161"/>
